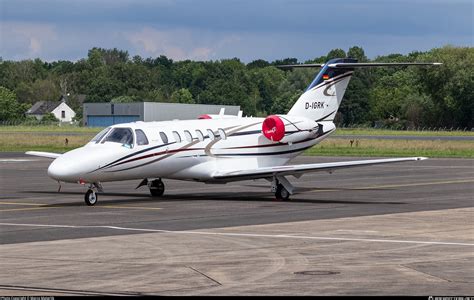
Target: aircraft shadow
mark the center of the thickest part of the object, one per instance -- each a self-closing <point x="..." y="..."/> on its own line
<point x="263" y="197"/>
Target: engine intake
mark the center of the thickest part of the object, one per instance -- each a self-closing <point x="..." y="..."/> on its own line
<point x="273" y="128"/>
<point x="297" y="128"/>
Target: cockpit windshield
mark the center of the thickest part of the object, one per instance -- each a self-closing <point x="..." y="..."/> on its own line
<point x="123" y="136"/>
<point x="100" y="135"/>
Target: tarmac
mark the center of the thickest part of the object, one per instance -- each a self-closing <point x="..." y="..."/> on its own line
<point x="398" y="229"/>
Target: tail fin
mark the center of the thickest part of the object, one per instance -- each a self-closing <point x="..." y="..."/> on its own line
<point x="323" y="96"/>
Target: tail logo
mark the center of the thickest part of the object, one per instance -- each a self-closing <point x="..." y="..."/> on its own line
<point x="273" y="130"/>
<point x="329" y="89"/>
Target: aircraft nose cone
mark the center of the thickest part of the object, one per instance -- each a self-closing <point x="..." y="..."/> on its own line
<point x="57" y="170"/>
<point x="63" y="170"/>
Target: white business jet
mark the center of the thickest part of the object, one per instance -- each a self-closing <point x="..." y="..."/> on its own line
<point x="218" y="148"/>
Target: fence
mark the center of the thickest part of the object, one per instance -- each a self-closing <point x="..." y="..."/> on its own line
<point x="349" y="126"/>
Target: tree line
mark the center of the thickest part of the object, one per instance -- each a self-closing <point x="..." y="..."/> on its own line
<point x="401" y="97"/>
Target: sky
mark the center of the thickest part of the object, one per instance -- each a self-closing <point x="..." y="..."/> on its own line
<point x="218" y="29"/>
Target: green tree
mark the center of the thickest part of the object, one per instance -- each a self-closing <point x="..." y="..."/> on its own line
<point x="123" y="99"/>
<point x="336" y="53"/>
<point x="357" y="53"/>
<point x="450" y="86"/>
<point x="49" y="118"/>
<point x="182" y="96"/>
<point x="10" y="109"/>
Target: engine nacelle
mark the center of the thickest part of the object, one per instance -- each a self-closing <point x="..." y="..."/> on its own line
<point x="273" y="128"/>
<point x="289" y="129"/>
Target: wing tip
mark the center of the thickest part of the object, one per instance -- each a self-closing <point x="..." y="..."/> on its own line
<point x="43" y="154"/>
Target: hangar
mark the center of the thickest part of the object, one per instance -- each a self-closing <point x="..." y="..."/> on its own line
<point x="106" y="114"/>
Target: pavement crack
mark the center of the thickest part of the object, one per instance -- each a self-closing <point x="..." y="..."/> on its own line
<point x="426" y="274"/>
<point x="203" y="274"/>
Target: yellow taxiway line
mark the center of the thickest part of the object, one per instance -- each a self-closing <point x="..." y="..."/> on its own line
<point x="46" y="206"/>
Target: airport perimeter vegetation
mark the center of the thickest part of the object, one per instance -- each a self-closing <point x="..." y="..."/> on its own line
<point x="350" y="142"/>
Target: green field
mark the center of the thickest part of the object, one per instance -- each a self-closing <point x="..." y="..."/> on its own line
<point x="52" y="139"/>
<point x="339" y="131"/>
<point x="375" y="147"/>
<point x="49" y="129"/>
<point x="375" y="132"/>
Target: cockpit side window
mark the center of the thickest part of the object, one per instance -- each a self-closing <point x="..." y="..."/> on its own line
<point x="100" y="135"/>
<point x="141" y="137"/>
<point x="123" y="136"/>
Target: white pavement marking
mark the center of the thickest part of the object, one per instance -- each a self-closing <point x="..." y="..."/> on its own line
<point x="244" y="234"/>
<point x="16" y="160"/>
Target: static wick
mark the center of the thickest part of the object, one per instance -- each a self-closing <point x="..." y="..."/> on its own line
<point x="59" y="188"/>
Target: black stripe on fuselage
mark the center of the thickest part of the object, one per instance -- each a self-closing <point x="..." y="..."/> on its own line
<point x="133" y="154"/>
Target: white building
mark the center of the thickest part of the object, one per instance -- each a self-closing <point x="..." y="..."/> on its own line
<point x="58" y="108"/>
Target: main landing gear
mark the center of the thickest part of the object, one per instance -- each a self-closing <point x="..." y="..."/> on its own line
<point x="91" y="195"/>
<point x="157" y="187"/>
<point x="282" y="188"/>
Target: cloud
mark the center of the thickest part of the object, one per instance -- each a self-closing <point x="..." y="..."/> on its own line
<point x="26" y="39"/>
<point x="215" y="29"/>
<point x="178" y="44"/>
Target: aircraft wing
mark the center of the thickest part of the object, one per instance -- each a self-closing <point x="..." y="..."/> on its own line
<point x="304" y="168"/>
<point x="44" y="154"/>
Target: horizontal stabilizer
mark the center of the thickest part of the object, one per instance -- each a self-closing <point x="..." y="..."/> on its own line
<point x="300" y="66"/>
<point x="359" y="65"/>
<point x="366" y="65"/>
<point x="44" y="154"/>
<point x="269" y="172"/>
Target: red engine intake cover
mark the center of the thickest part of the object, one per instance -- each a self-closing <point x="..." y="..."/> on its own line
<point x="273" y="128"/>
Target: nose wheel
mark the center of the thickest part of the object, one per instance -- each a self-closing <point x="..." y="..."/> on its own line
<point x="91" y="197"/>
<point x="157" y="188"/>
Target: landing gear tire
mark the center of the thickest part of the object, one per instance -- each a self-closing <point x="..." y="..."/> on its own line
<point x="281" y="193"/>
<point x="91" y="197"/>
<point x="157" y="188"/>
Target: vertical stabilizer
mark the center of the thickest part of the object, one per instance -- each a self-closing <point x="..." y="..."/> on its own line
<point x="322" y="98"/>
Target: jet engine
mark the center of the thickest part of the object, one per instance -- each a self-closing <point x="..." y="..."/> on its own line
<point x="289" y="129"/>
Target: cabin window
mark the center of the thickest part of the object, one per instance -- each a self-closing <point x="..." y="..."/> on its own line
<point x="63" y="114"/>
<point x="141" y="137"/>
<point x="123" y="136"/>
<point x="100" y="135"/>
<point x="177" y="137"/>
<point x="200" y="135"/>
<point x="188" y="136"/>
<point x="211" y="134"/>
<point x="222" y="134"/>
<point x="164" y="137"/>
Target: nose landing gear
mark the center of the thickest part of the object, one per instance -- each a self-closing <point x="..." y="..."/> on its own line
<point x="91" y="195"/>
